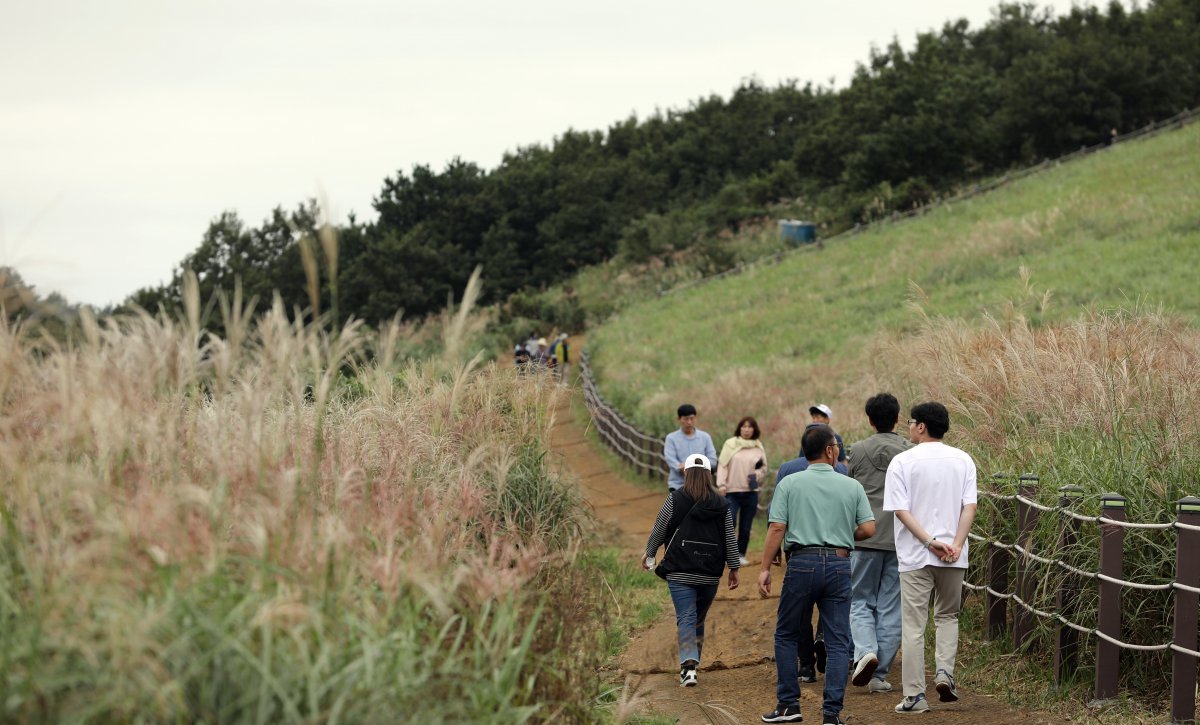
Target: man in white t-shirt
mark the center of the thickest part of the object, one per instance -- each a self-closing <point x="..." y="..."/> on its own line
<point x="931" y="488"/>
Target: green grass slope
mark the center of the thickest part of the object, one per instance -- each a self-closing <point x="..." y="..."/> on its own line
<point x="1118" y="228"/>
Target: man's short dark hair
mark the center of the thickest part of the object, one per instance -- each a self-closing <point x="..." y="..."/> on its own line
<point x="815" y="440"/>
<point x="883" y="410"/>
<point x="935" y="417"/>
<point x="685" y="410"/>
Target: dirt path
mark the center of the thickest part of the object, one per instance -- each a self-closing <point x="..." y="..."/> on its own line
<point x="738" y="674"/>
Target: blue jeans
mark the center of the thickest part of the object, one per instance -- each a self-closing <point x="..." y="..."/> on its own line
<point x="875" y="611"/>
<point x="691" y="607"/>
<point x="743" y="507"/>
<point x="825" y="581"/>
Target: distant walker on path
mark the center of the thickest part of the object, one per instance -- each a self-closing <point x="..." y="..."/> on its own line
<point x="741" y="470"/>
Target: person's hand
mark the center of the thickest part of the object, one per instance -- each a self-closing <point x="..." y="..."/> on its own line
<point x="764" y="583"/>
<point x="952" y="556"/>
<point x="940" y="549"/>
<point x="645" y="561"/>
<point x="722" y="489"/>
<point x="734" y="579"/>
<point x="777" y="560"/>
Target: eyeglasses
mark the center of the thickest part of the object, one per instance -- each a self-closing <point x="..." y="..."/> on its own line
<point x="912" y="421"/>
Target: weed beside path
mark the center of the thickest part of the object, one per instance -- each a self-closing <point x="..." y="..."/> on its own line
<point x="737" y="679"/>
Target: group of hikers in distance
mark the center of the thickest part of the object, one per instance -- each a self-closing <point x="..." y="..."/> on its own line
<point x="537" y="354"/>
<point x="832" y="518"/>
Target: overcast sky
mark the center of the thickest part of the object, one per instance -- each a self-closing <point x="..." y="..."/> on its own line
<point x="127" y="125"/>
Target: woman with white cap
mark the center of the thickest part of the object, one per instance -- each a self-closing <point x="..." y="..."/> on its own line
<point x="697" y="528"/>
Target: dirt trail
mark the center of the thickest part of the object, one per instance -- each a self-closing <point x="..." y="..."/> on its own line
<point x="738" y="672"/>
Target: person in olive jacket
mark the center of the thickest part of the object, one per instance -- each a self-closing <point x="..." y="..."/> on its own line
<point x="875" y="578"/>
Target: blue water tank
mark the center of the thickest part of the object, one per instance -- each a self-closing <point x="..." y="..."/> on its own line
<point x="797" y="232"/>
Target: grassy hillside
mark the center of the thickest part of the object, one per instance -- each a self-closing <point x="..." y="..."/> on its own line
<point x="1056" y="319"/>
<point x="1114" y="229"/>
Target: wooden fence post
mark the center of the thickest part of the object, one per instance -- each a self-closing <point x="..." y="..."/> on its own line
<point x="997" y="578"/>
<point x="652" y="458"/>
<point x="646" y="460"/>
<point x="1108" y="618"/>
<point x="1187" y="573"/>
<point x="1026" y="523"/>
<point x="1066" y="640"/>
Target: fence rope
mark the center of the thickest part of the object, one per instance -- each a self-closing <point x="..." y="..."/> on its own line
<point x="1185" y="650"/>
<point x="997" y="496"/>
<point x="1086" y="630"/>
<point x="1127" y="645"/>
<point x="629" y="443"/>
<point x="1132" y="525"/>
<point x="1135" y="585"/>
<point x="1036" y="505"/>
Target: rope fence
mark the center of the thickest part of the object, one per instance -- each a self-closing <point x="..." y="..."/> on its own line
<point x="644" y="452"/>
<point x="1111" y="524"/>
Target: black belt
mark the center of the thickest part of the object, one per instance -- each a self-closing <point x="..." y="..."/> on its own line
<point x="819" y="550"/>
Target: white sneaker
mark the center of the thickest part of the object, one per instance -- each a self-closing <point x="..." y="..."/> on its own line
<point x="878" y="685"/>
<point x="863" y="669"/>
<point x="743" y="561"/>
<point x="687" y="677"/>
<point x="913" y="704"/>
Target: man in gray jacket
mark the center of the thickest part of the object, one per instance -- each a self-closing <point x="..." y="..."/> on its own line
<point x="874" y="578"/>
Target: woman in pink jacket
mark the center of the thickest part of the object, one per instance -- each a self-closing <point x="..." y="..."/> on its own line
<point x="741" y="469"/>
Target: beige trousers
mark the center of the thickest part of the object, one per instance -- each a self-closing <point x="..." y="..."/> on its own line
<point x="945" y="584"/>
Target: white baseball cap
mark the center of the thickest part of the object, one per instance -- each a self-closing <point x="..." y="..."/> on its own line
<point x="822" y="409"/>
<point x="697" y="460"/>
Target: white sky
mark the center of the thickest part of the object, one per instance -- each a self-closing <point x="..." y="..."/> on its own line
<point x="127" y="125"/>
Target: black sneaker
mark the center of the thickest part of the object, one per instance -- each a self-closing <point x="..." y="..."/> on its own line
<point x="806" y="674"/>
<point x="833" y="720"/>
<point x="819" y="651"/>
<point x="784" y="713"/>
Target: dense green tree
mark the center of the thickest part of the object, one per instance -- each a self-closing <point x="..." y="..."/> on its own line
<point x="961" y="103"/>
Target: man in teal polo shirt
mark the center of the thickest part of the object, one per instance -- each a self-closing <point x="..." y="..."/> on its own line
<point x="816" y="515"/>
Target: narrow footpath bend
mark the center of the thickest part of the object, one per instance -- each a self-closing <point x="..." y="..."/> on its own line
<point x="737" y="676"/>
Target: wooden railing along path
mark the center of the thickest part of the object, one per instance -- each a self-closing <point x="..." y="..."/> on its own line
<point x="645" y="453"/>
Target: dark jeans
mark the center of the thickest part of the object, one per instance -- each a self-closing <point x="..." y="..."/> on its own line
<point x="743" y="507"/>
<point x="823" y="580"/>
<point x="808" y="655"/>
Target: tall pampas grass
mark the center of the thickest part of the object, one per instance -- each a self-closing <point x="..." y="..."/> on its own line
<point x="1108" y="402"/>
<point x="275" y="526"/>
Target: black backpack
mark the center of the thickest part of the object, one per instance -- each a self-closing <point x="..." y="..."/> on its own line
<point x="697" y="545"/>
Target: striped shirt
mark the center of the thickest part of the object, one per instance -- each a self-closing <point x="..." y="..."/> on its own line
<point x="658" y="537"/>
